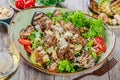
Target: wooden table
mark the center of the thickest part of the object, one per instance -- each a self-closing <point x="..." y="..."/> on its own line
<point x="25" y="72"/>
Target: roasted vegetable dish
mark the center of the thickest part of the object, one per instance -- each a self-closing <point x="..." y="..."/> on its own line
<point x="63" y="41"/>
<point x="106" y="10"/>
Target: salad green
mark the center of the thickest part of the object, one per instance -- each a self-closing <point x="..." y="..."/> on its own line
<point x="65" y="65"/>
<point x="36" y="38"/>
<point x="49" y="2"/>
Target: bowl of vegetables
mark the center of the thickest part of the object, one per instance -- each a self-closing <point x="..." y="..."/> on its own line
<point x="23" y="4"/>
<point x="106" y="10"/>
<point x="61" y="41"/>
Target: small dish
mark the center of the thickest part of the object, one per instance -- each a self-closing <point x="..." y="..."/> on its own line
<point x="104" y="10"/>
<point x="6" y="13"/>
<point x="12" y="4"/>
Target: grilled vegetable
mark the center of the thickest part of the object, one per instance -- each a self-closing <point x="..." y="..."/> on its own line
<point x="39" y="17"/>
<point x="104" y="6"/>
<point x="115" y="7"/>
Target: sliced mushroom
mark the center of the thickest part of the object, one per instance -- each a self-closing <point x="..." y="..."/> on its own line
<point x="79" y="39"/>
<point x="117" y="17"/>
<point x="51" y="40"/>
<point x="103" y="17"/>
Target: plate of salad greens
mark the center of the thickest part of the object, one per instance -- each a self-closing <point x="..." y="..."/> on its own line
<point x="60" y="41"/>
<point x="24" y="4"/>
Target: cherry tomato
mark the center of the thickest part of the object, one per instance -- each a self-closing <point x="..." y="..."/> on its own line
<point x="29" y="3"/>
<point x="19" y="4"/>
<point x="25" y="0"/>
<point x="28" y="48"/>
<point x="98" y="40"/>
<point x="99" y="44"/>
<point x="29" y="0"/>
<point x="24" y="41"/>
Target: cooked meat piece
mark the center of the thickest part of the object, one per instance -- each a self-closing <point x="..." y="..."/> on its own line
<point x="62" y="23"/>
<point x="86" y="60"/>
<point x="63" y="48"/>
<point x="66" y="54"/>
<point x="61" y="52"/>
<point x="51" y="40"/>
<point x="57" y="28"/>
<point x="57" y="13"/>
<point x="60" y="55"/>
<point x="84" y="29"/>
<point x="79" y="39"/>
<point x="69" y="55"/>
<point x="72" y="28"/>
<point x="26" y="32"/>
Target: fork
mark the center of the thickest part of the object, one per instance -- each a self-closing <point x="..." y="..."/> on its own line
<point x="106" y="67"/>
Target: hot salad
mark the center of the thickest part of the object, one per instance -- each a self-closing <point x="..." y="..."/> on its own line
<point x="63" y="41"/>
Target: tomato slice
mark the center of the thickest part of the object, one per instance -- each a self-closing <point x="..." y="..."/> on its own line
<point x="19" y="4"/>
<point x="28" y="48"/>
<point x="98" y="40"/>
<point x="99" y="44"/>
<point x="29" y="3"/>
<point x="24" y="41"/>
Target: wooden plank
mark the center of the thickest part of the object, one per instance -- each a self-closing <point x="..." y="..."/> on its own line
<point x="26" y="72"/>
<point x="62" y="78"/>
<point x="115" y="72"/>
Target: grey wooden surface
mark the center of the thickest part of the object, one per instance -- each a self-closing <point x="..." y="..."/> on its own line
<point x="25" y="72"/>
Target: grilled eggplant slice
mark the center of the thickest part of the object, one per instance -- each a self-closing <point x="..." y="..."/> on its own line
<point x="85" y="60"/>
<point x="39" y="18"/>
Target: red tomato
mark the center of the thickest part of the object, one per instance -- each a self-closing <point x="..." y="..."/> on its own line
<point x="24" y="41"/>
<point x="28" y="48"/>
<point x="29" y="0"/>
<point x="29" y="3"/>
<point x="25" y="0"/>
<point x="98" y="40"/>
<point x="19" y="4"/>
<point x="99" y="44"/>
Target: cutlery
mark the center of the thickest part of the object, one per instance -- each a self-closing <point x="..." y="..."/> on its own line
<point x="106" y="67"/>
